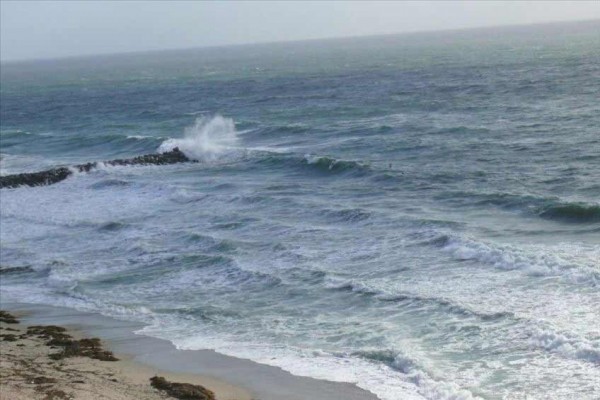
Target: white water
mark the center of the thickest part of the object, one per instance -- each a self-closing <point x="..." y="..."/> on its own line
<point x="206" y="140"/>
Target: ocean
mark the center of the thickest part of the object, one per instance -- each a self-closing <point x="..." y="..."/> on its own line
<point x="417" y="214"/>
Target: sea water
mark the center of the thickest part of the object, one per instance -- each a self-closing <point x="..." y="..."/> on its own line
<point x="417" y="214"/>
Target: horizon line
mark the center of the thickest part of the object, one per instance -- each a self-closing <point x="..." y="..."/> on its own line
<point x="228" y="45"/>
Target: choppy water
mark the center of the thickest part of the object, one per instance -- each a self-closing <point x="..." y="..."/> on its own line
<point x="418" y="214"/>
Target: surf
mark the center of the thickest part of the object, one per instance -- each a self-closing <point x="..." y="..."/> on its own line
<point x="207" y="139"/>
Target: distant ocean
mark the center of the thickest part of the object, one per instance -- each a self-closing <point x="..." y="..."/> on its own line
<point x="418" y="214"/>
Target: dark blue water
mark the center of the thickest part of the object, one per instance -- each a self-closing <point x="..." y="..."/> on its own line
<point x="417" y="214"/>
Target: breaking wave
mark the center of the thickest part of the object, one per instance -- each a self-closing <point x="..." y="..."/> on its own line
<point x="411" y="299"/>
<point x="206" y="140"/>
<point x="571" y="212"/>
<point x="308" y="164"/>
<point x="551" y="208"/>
<point x="330" y="164"/>
<point x="427" y="386"/>
<point x="566" y="346"/>
<point x="576" y="266"/>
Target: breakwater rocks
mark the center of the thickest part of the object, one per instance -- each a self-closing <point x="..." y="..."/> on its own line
<point x="58" y="174"/>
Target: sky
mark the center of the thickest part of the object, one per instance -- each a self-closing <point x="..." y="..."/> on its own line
<point x="53" y="29"/>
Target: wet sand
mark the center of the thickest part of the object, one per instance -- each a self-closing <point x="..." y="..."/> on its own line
<point x="142" y="357"/>
<point x="29" y="369"/>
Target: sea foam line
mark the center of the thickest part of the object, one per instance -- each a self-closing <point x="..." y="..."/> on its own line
<point x="578" y="265"/>
<point x="566" y="346"/>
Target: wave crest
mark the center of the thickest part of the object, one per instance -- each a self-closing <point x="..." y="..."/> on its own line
<point x="427" y="386"/>
<point x="551" y="208"/>
<point x="571" y="212"/>
<point x="566" y="346"/>
<point x="579" y="267"/>
<point x="329" y="164"/>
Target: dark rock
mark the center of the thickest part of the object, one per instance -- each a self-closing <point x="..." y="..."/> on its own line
<point x="47" y="177"/>
<point x="55" y="175"/>
<point x="8" y="318"/>
<point x="171" y="157"/>
<point x="185" y="391"/>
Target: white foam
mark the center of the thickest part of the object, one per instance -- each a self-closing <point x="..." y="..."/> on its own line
<point x="578" y="265"/>
<point x="566" y="346"/>
<point x="381" y="380"/>
<point x="206" y="140"/>
<point x="194" y="113"/>
<point x="267" y="149"/>
<point x="143" y="137"/>
<point x="388" y="382"/>
<point x="16" y="164"/>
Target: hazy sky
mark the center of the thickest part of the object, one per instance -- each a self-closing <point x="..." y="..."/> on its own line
<point x="49" y="29"/>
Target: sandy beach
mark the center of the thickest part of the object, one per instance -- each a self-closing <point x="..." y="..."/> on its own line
<point x="27" y="365"/>
<point x="29" y="369"/>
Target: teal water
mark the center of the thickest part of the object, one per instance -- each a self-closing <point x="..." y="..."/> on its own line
<point x="417" y="214"/>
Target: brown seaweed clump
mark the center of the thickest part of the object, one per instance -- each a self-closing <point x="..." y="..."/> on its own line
<point x="9" y="338"/>
<point x="184" y="391"/>
<point x="55" y="394"/>
<point x="56" y="336"/>
<point x="90" y="348"/>
<point x="8" y="318"/>
<point x="47" y="331"/>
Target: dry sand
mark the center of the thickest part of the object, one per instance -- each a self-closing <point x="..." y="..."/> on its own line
<point x="27" y="373"/>
<point x="144" y="356"/>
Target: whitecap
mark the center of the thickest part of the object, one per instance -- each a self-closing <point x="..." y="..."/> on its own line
<point x="206" y="140"/>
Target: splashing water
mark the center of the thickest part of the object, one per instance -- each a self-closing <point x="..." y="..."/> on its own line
<point x="208" y="138"/>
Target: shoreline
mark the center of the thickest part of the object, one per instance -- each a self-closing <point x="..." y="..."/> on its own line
<point x="227" y="376"/>
<point x="50" y="362"/>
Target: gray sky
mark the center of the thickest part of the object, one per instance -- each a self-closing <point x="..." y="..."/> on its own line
<point x="49" y="29"/>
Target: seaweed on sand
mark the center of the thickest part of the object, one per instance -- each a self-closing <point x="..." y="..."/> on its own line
<point x="184" y="391"/>
<point x="56" y="336"/>
<point x="8" y="318"/>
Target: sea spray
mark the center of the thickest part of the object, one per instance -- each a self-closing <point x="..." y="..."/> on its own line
<point x="206" y="140"/>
